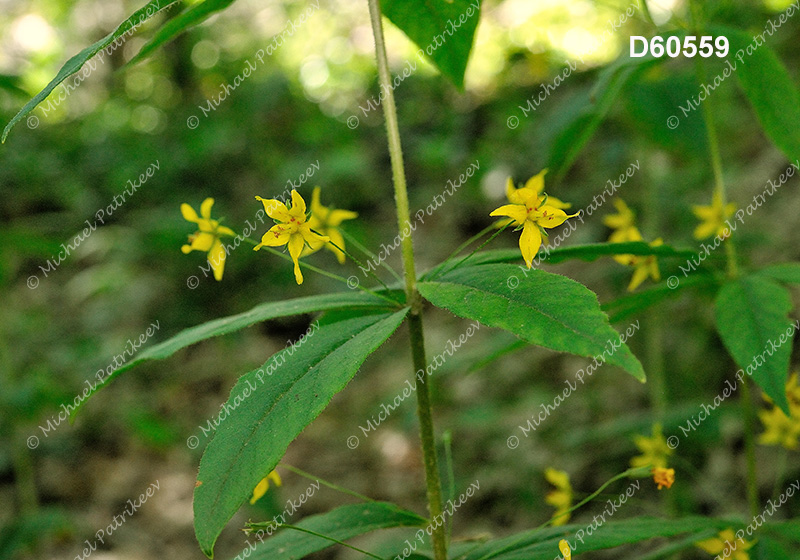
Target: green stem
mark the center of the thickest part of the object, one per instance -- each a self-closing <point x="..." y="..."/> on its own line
<point x="733" y="270"/>
<point x="325" y="483"/>
<point x="750" y="448"/>
<point x="326" y="537"/>
<point x="353" y="241"/>
<point x="424" y="412"/>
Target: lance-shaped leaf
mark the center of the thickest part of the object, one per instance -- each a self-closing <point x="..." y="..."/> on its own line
<point x="74" y="64"/>
<point x="752" y="321"/>
<point x="270" y="406"/>
<point x="233" y="323"/>
<point x="542" y="308"/>
<point x="444" y="30"/>
<point x="543" y="543"/>
<point x="769" y="88"/>
<point x="340" y="524"/>
<point x="191" y="16"/>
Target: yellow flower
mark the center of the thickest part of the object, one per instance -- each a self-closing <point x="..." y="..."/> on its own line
<point x="625" y="230"/>
<point x="561" y="497"/>
<point x="645" y="266"/>
<point x="535" y="183"/>
<point x="529" y="212"/>
<point x="654" y="450"/>
<point x="291" y="230"/>
<point x="566" y="551"/>
<point x="622" y="221"/>
<point x="780" y="429"/>
<point x="663" y="477"/>
<point x="713" y="217"/>
<point x="207" y="236"/>
<point x="727" y="543"/>
<point x="262" y="487"/>
<point x="326" y="221"/>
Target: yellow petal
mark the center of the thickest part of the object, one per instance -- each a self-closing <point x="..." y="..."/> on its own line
<point x="559" y="479"/>
<point x="222" y="230"/>
<point x="275" y="209"/>
<point x="202" y="242"/>
<point x="551" y="217"/>
<point x="566" y="551"/>
<point x="186" y="249"/>
<point x="706" y="229"/>
<point x="298" y="204"/>
<point x="516" y="212"/>
<point x="558" y="203"/>
<point x="712" y="546"/>
<point x="205" y="208"/>
<point x="295" y="245"/>
<point x="276" y="236"/>
<point x="336" y="217"/>
<point x="336" y="238"/>
<point x="259" y="491"/>
<point x="511" y="191"/>
<point x="217" y="256"/>
<point x="529" y="242"/>
<point x="316" y="206"/>
<point x="189" y="214"/>
<point x="536" y="183"/>
<point x="275" y="477"/>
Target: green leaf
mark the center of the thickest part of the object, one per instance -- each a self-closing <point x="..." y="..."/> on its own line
<point x="769" y="88"/>
<point x="751" y="314"/>
<point x="543" y="543"/>
<point x="227" y="325"/>
<point x="263" y="418"/>
<point x="191" y="16"/>
<point x="444" y="29"/>
<point x="542" y="308"/>
<point x="342" y="523"/>
<point x="787" y="273"/>
<point x="631" y="304"/>
<point x="590" y="252"/>
<point x="74" y="64"/>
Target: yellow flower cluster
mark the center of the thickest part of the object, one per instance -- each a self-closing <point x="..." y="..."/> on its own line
<point x="302" y="233"/>
<point x="624" y="225"/>
<point x="712" y="218"/>
<point x="781" y="429"/>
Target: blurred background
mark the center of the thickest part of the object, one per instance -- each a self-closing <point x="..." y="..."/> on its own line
<point x="289" y="118"/>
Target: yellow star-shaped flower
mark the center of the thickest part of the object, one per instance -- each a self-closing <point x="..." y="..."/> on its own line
<point x="262" y="487"/>
<point x="207" y="236"/>
<point x="663" y="477"/>
<point x="712" y="217"/>
<point x="292" y="229"/>
<point x="736" y="549"/>
<point x="644" y="266"/>
<point x="654" y="450"/>
<point x="561" y="497"/>
<point x="623" y="220"/>
<point x="326" y="221"/>
<point x="529" y="212"/>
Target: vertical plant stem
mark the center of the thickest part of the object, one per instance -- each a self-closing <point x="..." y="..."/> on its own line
<point x="424" y="412"/>
<point x="733" y="271"/>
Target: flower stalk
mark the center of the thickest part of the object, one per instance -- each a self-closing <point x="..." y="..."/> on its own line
<point x="424" y="412"/>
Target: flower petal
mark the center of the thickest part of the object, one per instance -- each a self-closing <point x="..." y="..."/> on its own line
<point x="216" y="257"/>
<point x="298" y="204"/>
<point x="276" y="236"/>
<point x="189" y="214"/>
<point x="529" y="242"/>
<point x="275" y="209"/>
<point x="202" y="242"/>
<point x="205" y="208"/>
<point x="536" y="183"/>
<point x="295" y="245"/>
<point x="222" y="230"/>
<point x="511" y="191"/>
<point x="316" y="205"/>
<point x="336" y="217"/>
<point x="516" y="212"/>
<point x="336" y="238"/>
<point x="552" y="217"/>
